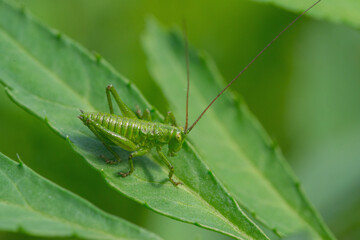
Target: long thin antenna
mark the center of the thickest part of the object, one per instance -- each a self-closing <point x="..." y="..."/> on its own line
<point x="187" y="75"/>
<point x="251" y="62"/>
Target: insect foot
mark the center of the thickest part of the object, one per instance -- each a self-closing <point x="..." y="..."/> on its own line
<point x="124" y="174"/>
<point x="175" y="183"/>
<point x="108" y="161"/>
<point x="170" y="177"/>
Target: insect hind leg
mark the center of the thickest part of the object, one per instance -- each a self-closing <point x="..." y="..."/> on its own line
<point x="125" y="110"/>
<point x="107" y="146"/>
<point x="106" y="135"/>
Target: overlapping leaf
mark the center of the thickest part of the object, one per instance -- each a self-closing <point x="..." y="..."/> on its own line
<point x="38" y="207"/>
<point x="231" y="140"/>
<point x="345" y="11"/>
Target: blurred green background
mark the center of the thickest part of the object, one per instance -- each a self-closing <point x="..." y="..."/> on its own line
<point x="304" y="90"/>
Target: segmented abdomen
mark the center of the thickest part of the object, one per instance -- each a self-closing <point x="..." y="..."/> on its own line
<point x="138" y="131"/>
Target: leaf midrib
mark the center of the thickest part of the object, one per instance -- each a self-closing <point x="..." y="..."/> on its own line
<point x="221" y="216"/>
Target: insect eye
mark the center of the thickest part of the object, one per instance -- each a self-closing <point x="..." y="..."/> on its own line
<point x="178" y="136"/>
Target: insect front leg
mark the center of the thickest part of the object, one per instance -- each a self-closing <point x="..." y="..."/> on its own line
<point x="125" y="110"/>
<point x="138" y="153"/>
<point x="168" y="164"/>
<point x="145" y="116"/>
<point x="170" y="118"/>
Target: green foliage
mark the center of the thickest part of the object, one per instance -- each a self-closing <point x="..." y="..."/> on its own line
<point x="345" y="11"/>
<point x="249" y="164"/>
<point x="53" y="78"/>
<point x="31" y="204"/>
<point x="270" y="200"/>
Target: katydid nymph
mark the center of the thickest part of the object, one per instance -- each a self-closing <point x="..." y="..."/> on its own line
<point x="137" y="133"/>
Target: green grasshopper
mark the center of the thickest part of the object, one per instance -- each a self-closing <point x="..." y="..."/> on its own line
<point x="136" y="133"/>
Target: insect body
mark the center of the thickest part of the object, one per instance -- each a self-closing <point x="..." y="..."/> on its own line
<point x="136" y="133"/>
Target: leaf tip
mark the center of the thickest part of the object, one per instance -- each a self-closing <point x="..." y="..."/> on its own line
<point x="58" y="35"/>
<point x="276" y="232"/>
<point x="67" y="138"/>
<point x="102" y="172"/>
<point x="197" y="224"/>
<point x="46" y="120"/>
<point x="21" y="163"/>
<point x="274" y="145"/>
<point x="97" y="56"/>
<point x="147" y="205"/>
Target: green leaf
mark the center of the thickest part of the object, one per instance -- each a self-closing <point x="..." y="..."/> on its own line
<point x="231" y="140"/>
<point x="34" y="205"/>
<point x="52" y="77"/>
<point x="345" y="11"/>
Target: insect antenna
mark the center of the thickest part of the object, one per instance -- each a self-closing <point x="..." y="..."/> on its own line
<point x="187" y="76"/>
<point x="187" y="130"/>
